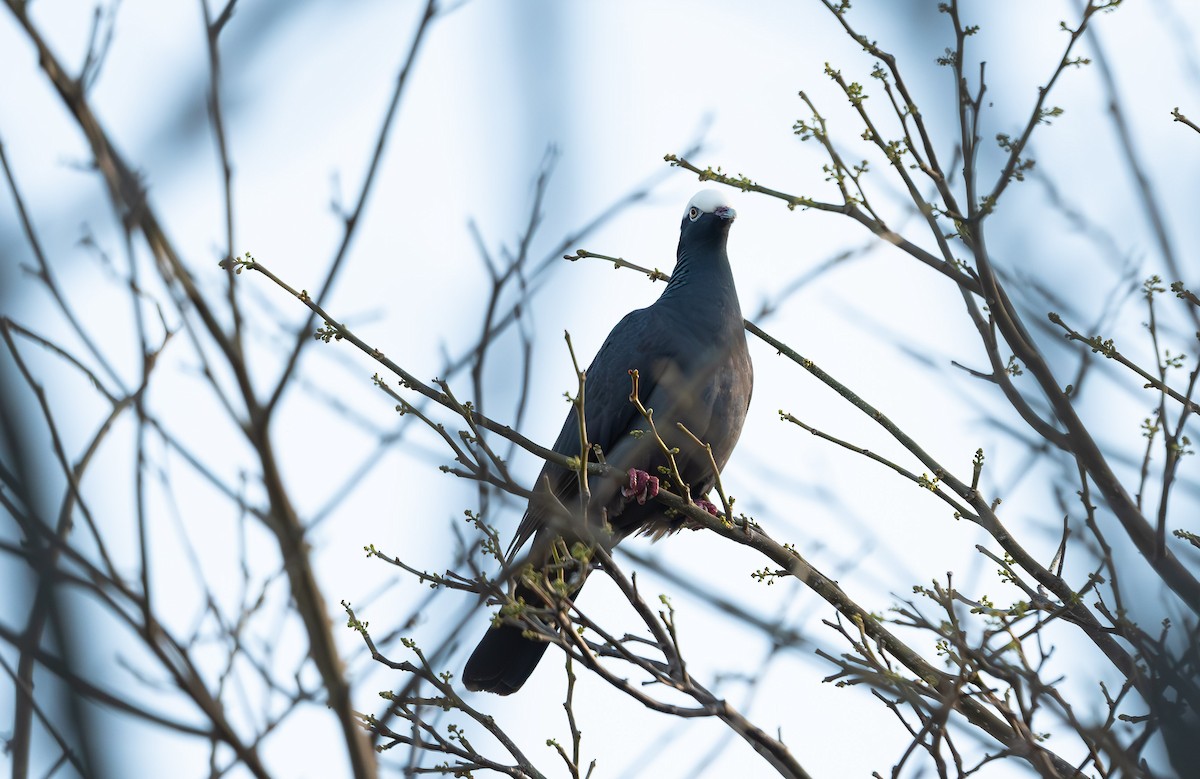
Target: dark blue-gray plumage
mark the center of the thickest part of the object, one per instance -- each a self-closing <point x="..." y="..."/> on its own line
<point x="689" y="349"/>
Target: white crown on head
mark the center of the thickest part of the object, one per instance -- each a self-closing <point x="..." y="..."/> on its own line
<point x="708" y="200"/>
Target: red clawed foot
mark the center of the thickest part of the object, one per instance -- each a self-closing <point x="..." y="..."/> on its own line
<point x="708" y="506"/>
<point x="642" y="486"/>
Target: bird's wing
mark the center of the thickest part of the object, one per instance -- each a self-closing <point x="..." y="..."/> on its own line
<point x="632" y="344"/>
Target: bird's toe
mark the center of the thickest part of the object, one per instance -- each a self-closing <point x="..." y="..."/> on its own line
<point x="642" y="486"/>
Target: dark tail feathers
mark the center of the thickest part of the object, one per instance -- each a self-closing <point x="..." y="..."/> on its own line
<point x="503" y="661"/>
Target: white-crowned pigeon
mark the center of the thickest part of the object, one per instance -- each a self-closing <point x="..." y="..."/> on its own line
<point x="689" y="349"/>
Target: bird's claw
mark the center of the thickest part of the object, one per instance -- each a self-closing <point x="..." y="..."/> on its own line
<point x="708" y="506"/>
<point x="642" y="486"/>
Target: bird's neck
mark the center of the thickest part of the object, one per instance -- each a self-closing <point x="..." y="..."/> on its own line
<point x="702" y="277"/>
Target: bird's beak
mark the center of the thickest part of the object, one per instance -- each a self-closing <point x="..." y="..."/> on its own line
<point x="726" y="213"/>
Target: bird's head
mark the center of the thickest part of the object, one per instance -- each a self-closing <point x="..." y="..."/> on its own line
<point x="708" y="215"/>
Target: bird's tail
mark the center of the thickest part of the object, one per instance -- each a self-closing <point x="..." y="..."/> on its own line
<point x="503" y="661"/>
<point x="504" y="658"/>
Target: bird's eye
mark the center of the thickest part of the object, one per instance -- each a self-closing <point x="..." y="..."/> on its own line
<point x="693" y="213"/>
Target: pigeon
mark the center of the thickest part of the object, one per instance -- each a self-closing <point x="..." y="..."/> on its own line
<point x="693" y="367"/>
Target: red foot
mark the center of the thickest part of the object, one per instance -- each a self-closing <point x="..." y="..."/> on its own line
<point x="642" y="486"/>
<point x="708" y="506"/>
